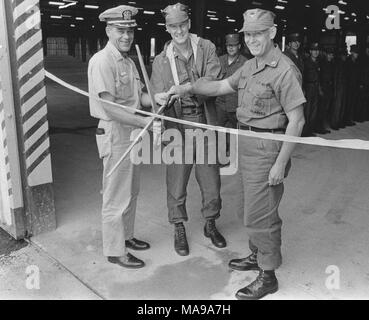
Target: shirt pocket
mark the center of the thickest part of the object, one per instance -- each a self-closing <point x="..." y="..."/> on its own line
<point x="261" y="100"/>
<point x="123" y="85"/>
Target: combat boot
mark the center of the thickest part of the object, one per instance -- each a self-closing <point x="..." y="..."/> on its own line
<point x="265" y="283"/>
<point x="211" y="231"/>
<point x="180" y="240"/>
<point x="245" y="264"/>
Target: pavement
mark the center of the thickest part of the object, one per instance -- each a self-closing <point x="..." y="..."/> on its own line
<point x="324" y="212"/>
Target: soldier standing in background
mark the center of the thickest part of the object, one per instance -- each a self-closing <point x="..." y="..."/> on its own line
<point x="340" y="96"/>
<point x="230" y="63"/>
<point x="354" y="76"/>
<point x="327" y="74"/>
<point x="292" y="52"/>
<point x="365" y="85"/>
<point x="312" y="90"/>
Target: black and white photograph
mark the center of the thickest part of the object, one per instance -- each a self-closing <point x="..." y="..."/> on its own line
<point x="203" y="151"/>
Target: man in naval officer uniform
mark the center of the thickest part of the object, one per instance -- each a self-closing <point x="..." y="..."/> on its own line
<point x="113" y="76"/>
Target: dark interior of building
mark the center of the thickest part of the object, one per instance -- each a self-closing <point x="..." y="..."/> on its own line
<point x="77" y="24"/>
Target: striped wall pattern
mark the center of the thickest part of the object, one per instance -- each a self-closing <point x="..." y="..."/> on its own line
<point x="31" y="75"/>
<point x="6" y="193"/>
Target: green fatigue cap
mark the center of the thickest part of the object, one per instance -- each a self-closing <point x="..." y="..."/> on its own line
<point x="257" y="20"/>
<point x="354" y="48"/>
<point x="330" y="50"/>
<point x="121" y="16"/>
<point x="176" y="13"/>
<point x="232" y="39"/>
<point x="314" y="46"/>
<point x="294" y="37"/>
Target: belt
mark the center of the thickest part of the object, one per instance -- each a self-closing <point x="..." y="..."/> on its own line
<point x="192" y="110"/>
<point x="244" y="127"/>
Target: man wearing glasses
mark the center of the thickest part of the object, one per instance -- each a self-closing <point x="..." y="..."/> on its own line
<point x="270" y="99"/>
<point x="185" y="59"/>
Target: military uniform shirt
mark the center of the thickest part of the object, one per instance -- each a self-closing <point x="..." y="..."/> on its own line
<point x="297" y="60"/>
<point x="311" y="71"/>
<point x="266" y="93"/>
<point x="229" y="102"/>
<point x="110" y="72"/>
<point x="187" y="73"/>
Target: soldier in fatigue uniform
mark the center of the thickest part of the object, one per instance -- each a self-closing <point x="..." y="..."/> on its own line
<point x="354" y="82"/>
<point x="230" y="63"/>
<point x="184" y="59"/>
<point x="113" y="76"/>
<point x="327" y="77"/>
<point x="340" y="94"/>
<point x="270" y="99"/>
<point x="365" y="89"/>
<point x="292" y="52"/>
<point x="312" y="90"/>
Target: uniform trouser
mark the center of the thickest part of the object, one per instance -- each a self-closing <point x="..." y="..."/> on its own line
<point x="120" y="190"/>
<point x="207" y="176"/>
<point x="261" y="201"/>
<point x="311" y="107"/>
<point x="340" y="104"/>
<point x="225" y="118"/>
<point x="326" y="107"/>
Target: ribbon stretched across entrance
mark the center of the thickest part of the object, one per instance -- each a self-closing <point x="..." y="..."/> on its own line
<point x="355" y="144"/>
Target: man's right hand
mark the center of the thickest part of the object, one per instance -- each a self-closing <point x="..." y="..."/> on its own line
<point x="180" y="91"/>
<point x="161" y="98"/>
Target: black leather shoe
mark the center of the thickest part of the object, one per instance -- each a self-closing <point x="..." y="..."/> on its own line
<point x="265" y="283"/>
<point x="211" y="231"/>
<point x="335" y="127"/>
<point x="245" y="264"/>
<point x="322" y="131"/>
<point x="136" y="244"/>
<point x="127" y="261"/>
<point x="349" y="123"/>
<point x="180" y="240"/>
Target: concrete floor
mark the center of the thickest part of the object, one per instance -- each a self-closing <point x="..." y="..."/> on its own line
<point x="325" y="214"/>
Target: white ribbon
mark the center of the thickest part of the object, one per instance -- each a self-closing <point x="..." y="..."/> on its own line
<point x="355" y="144"/>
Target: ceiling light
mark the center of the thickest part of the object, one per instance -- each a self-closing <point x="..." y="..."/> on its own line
<point x="88" y="6"/>
<point x="68" y="5"/>
<point x="55" y="17"/>
<point x="56" y="3"/>
<point x="149" y="12"/>
<point x="279" y="7"/>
